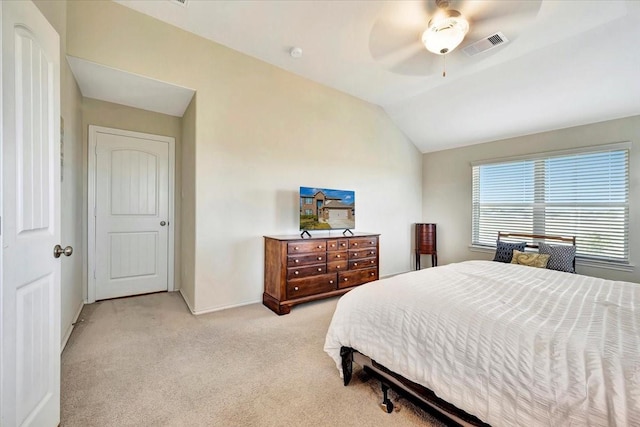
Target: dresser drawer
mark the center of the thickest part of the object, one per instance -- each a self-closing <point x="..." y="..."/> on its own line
<point x="357" y="264"/>
<point x="426" y="248"/>
<point x="306" y="259"/>
<point x="426" y="238"/>
<point x="337" y="245"/>
<point x="362" y="253"/>
<point x="311" y="285"/>
<point x="302" y="247"/>
<point x="357" y="277"/>
<point x="335" y="266"/>
<point x="311" y="270"/>
<point x="363" y="242"/>
<point x="337" y="256"/>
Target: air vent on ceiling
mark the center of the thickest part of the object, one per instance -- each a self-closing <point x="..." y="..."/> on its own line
<point x="485" y="44"/>
<point x="180" y="2"/>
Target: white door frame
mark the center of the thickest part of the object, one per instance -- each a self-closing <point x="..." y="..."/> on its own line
<point x="91" y="214"/>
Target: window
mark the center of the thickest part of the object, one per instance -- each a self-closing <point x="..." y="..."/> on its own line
<point x="308" y="200"/>
<point x="583" y="194"/>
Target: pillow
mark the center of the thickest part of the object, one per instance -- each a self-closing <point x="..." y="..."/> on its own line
<point x="530" y="259"/>
<point x="504" y="251"/>
<point x="562" y="256"/>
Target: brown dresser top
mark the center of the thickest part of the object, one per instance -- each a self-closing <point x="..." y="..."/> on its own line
<point x="337" y="235"/>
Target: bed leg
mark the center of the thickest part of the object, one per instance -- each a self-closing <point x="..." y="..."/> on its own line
<point x="386" y="404"/>
<point x="347" y="364"/>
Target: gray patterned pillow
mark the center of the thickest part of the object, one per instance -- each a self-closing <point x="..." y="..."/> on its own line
<point x="561" y="258"/>
<point x="504" y="251"/>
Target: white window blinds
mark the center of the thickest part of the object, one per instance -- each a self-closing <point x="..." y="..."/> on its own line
<point x="584" y="195"/>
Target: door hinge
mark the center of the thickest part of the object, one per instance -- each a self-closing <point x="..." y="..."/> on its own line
<point x="94" y="273"/>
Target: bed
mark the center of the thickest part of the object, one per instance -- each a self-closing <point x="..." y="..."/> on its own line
<point x="498" y="343"/>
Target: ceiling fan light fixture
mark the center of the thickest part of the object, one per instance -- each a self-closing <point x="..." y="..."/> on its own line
<point x="445" y="32"/>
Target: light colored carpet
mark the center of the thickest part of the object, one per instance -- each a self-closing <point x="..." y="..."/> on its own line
<point x="146" y="361"/>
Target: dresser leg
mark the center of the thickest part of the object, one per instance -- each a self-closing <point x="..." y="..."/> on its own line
<point x="284" y="309"/>
<point x="417" y="260"/>
<point x="434" y="260"/>
<point x="274" y="305"/>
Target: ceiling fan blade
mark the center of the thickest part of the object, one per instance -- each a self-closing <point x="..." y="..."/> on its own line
<point x="402" y="54"/>
<point x="399" y="25"/>
<point x="518" y="12"/>
<point x="421" y="63"/>
<point x="386" y="39"/>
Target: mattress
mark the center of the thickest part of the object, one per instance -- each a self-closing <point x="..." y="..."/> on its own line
<point x="510" y="344"/>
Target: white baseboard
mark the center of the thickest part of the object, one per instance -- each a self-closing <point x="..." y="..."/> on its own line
<point x="214" y="309"/>
<point x="70" y="329"/>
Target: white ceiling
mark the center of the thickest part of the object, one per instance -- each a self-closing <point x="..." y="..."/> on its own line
<point x="574" y="62"/>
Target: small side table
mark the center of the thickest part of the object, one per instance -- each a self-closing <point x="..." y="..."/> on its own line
<point x="426" y="243"/>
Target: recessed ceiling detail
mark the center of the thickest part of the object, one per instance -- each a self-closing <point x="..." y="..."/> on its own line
<point x="395" y="39"/>
<point x="566" y="62"/>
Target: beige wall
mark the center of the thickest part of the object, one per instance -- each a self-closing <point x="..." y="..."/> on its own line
<point x="447" y="185"/>
<point x="188" y="196"/>
<point x="107" y="114"/>
<point x="261" y="133"/>
<point x="71" y="186"/>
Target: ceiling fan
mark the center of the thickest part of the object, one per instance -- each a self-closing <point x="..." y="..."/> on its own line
<point x="409" y="37"/>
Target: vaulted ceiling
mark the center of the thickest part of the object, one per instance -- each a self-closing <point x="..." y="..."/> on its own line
<point x="566" y="62"/>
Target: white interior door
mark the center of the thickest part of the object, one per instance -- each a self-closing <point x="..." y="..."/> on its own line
<point x="132" y="219"/>
<point x="30" y="284"/>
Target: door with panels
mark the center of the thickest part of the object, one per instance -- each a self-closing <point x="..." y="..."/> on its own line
<point x="30" y="201"/>
<point x="132" y="213"/>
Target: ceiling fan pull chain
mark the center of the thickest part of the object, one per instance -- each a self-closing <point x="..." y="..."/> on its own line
<point x="444" y="65"/>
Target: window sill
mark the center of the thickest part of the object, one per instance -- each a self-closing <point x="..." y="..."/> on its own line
<point x="580" y="262"/>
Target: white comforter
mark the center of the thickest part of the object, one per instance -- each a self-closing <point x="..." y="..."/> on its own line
<point x="510" y="344"/>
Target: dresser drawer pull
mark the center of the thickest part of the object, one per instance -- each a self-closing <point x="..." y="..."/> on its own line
<point x="345" y="279"/>
<point x="319" y="258"/>
<point x="344" y="244"/>
<point x="372" y="253"/>
<point x="295" y="249"/>
<point x="371" y="242"/>
<point x="333" y="246"/>
<point x="355" y="263"/>
<point x="355" y="244"/>
<point x="337" y="266"/>
<point x="331" y="282"/>
<point x="355" y="254"/>
<point x="297" y="261"/>
<point x="372" y="262"/>
<point x="296" y="272"/>
<point x="319" y="246"/>
<point x="319" y="269"/>
<point x="337" y="256"/>
<point x="372" y="274"/>
<point x="295" y="288"/>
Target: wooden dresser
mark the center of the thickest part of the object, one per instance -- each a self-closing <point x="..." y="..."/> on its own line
<point x="301" y="270"/>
